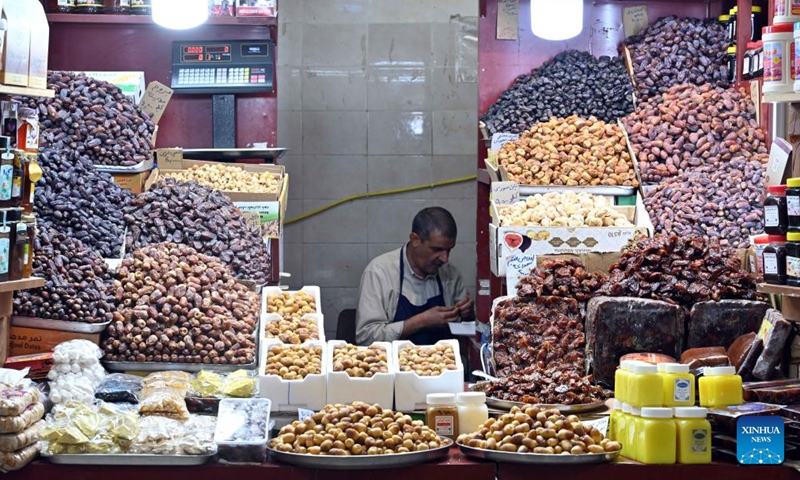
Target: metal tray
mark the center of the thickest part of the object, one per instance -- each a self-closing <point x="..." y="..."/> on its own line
<point x="537" y="458"/>
<point x="59" y="325"/>
<point x="136" y="460"/>
<point x="231" y="154"/>
<point x="509" y="404"/>
<point x="138" y="168"/>
<point x="361" y="462"/>
<point x="186" y="367"/>
<point x="602" y="190"/>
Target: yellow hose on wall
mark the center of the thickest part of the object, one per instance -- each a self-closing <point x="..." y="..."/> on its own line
<point x="395" y="191"/>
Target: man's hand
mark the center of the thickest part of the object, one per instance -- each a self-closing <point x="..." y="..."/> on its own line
<point x="440" y="316"/>
<point x="466" y="308"/>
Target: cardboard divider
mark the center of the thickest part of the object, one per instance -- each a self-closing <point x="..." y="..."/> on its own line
<point x="411" y="390"/>
<point x="289" y="395"/>
<point x="377" y="389"/>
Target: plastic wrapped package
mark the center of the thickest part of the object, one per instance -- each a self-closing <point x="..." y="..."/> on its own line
<point x="166" y="436"/>
<point x="11" y="442"/>
<point x="774" y="332"/>
<point x="76" y="372"/>
<point x="13" y="401"/>
<point x="724" y="419"/>
<point x="119" y="387"/>
<point x="199" y="436"/>
<point x="718" y="324"/>
<point x="20" y="422"/>
<point x="163" y="394"/>
<point x="242" y="429"/>
<point x="618" y="326"/>
<point x="76" y="428"/>
<point x="238" y="384"/>
<point x="16" y="460"/>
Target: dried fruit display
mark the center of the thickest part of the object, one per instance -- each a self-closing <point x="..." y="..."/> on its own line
<point x="78" y="286"/>
<point x="294" y="330"/>
<point x="691" y="126"/>
<point x="570" y="151"/>
<point x="530" y="429"/>
<point x="291" y="304"/>
<point x="80" y="202"/>
<point x="360" y="361"/>
<point x="375" y="431"/>
<point x="680" y="270"/>
<point x="540" y="330"/>
<point x="572" y="83"/>
<point x="177" y="305"/>
<point x="555" y="384"/>
<point x="676" y="50"/>
<point x="93" y="118"/>
<point x="566" y="278"/>
<point x="427" y="361"/>
<point x="202" y="218"/>
<point x="723" y="201"/>
<point x="228" y="178"/>
<point x="294" y="362"/>
<point x="568" y="209"/>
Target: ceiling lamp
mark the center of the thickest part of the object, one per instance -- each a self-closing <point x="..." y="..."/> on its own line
<point x="180" y="14"/>
<point x="556" y="19"/>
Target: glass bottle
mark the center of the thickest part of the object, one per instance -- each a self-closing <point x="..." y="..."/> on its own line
<point x="6" y="178"/>
<point x="117" y="7"/>
<point x="60" y="6"/>
<point x="141" y="7"/>
<point x="33" y="173"/>
<point x="88" y="6"/>
<point x="5" y="246"/>
<point x="27" y="266"/>
<point x="16" y="182"/>
<point x="17" y="255"/>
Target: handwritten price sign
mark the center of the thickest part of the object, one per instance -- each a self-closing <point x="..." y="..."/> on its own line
<point x="155" y="100"/>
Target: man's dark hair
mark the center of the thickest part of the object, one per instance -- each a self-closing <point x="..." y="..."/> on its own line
<point x="434" y="219"/>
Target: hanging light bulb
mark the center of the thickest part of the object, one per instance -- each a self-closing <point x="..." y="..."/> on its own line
<point x="556" y="19"/>
<point x="180" y="14"/>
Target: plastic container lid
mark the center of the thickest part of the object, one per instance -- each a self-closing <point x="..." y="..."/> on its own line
<point x="777" y="189"/>
<point x="755" y="9"/>
<point x="645" y="369"/>
<point x="752" y="45"/>
<point x="471" y="398"/>
<point x="793" y="183"/>
<point x="734" y="10"/>
<point x="793" y="237"/>
<point x="656" y="412"/>
<point x="626" y="408"/>
<point x="629" y="364"/>
<point x="731" y="49"/>
<point x="776" y="238"/>
<point x="690" y="412"/>
<point x="779" y="28"/>
<point x="673" y="368"/>
<point x="636" y="411"/>
<point x="715" y="371"/>
<point x="724" y="18"/>
<point x="617" y="405"/>
<point x="761" y="239"/>
<point x="440" y="399"/>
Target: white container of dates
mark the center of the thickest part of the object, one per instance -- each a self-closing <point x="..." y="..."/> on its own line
<point x="411" y="388"/>
<point x="344" y="388"/>
<point x="290" y="394"/>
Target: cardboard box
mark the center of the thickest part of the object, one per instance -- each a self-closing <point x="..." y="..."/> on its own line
<point x="256" y="8"/>
<point x="519" y="246"/>
<point x="38" y="363"/>
<point x="39" y="46"/>
<point x="279" y="170"/>
<point x="25" y="341"/>
<point x="17" y="52"/>
<point x="135" y="182"/>
<point x="131" y="83"/>
<point x="221" y="8"/>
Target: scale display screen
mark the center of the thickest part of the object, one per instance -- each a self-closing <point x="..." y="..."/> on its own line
<point x="235" y="66"/>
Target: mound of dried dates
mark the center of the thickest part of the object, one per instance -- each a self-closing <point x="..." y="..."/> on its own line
<point x="95" y="119"/>
<point x="78" y="286"/>
<point x="690" y="126"/>
<point x="80" y="202"/>
<point x="177" y="305"/>
<point x="675" y="50"/>
<point x="570" y="151"/>
<point x="572" y="83"/>
<point x="540" y="330"/>
<point x="202" y="218"/>
<point x="723" y="201"/>
<point x="680" y="270"/>
<point x="560" y="277"/>
<point x="556" y="384"/>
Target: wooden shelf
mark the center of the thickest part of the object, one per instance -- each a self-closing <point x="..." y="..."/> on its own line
<point x="148" y="20"/>
<point x="23" y="284"/>
<point x="25" y="91"/>
<point x="779" y="290"/>
<point x="781" y="98"/>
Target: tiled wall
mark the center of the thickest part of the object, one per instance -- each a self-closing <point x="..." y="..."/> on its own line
<point x="374" y="95"/>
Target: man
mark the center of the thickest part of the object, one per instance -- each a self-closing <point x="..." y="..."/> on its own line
<point x="413" y="293"/>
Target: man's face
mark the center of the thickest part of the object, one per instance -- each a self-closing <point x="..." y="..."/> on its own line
<point x="431" y="254"/>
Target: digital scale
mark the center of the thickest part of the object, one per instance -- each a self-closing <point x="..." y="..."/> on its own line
<point x="223" y="69"/>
